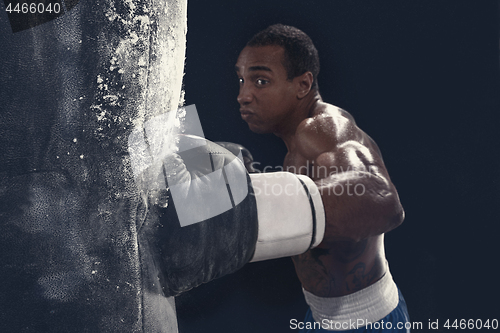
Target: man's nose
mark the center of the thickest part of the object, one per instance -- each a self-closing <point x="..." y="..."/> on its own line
<point x="244" y="97"/>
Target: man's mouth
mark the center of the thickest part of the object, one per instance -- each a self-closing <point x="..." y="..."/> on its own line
<point x="245" y="114"/>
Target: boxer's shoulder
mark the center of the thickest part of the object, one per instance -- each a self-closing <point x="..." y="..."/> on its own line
<point x="327" y="128"/>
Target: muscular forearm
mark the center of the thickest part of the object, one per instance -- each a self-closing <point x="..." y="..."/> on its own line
<point x="359" y="205"/>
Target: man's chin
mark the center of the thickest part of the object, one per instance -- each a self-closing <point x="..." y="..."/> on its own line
<point x="257" y="129"/>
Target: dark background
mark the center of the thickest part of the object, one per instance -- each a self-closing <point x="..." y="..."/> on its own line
<point x="422" y="79"/>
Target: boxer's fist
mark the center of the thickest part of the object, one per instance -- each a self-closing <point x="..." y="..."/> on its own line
<point x="219" y="217"/>
<point x="204" y="179"/>
<point x="236" y="149"/>
<point x="209" y="227"/>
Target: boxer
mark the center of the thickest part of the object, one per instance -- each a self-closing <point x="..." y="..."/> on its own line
<point x="346" y="277"/>
<point x="85" y="246"/>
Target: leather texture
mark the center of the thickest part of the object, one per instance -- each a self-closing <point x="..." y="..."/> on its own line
<point x="80" y="250"/>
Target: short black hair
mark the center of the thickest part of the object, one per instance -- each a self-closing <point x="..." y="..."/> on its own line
<point x="300" y="53"/>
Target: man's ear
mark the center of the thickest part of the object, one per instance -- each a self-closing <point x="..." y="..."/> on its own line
<point x="304" y="82"/>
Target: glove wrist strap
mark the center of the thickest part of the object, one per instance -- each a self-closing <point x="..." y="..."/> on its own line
<point x="290" y="213"/>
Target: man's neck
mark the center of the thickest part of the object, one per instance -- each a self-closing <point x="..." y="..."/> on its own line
<point x="305" y="109"/>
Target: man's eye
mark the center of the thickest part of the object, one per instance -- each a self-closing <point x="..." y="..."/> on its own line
<point x="261" y="82"/>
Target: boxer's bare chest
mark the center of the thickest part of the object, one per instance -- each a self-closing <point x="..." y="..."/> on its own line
<point x="298" y="164"/>
<point x="340" y="268"/>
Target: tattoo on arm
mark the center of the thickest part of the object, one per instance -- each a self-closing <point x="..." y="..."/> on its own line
<point x="357" y="279"/>
<point x="313" y="273"/>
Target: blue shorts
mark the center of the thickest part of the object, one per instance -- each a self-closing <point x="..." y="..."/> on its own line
<point x="393" y="322"/>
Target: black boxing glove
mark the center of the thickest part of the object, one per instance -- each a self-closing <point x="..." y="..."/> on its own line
<point x="219" y="217"/>
<point x="238" y="149"/>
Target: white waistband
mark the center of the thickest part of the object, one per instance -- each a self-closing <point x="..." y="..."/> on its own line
<point x="370" y="304"/>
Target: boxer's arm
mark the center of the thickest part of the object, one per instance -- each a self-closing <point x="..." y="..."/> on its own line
<point x="359" y="198"/>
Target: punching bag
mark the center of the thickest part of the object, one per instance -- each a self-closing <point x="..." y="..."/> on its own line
<point x="74" y="83"/>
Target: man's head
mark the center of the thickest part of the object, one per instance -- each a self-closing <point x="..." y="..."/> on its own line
<point x="277" y="72"/>
<point x="300" y="53"/>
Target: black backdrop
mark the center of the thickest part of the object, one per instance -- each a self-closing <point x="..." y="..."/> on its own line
<point x="421" y="78"/>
